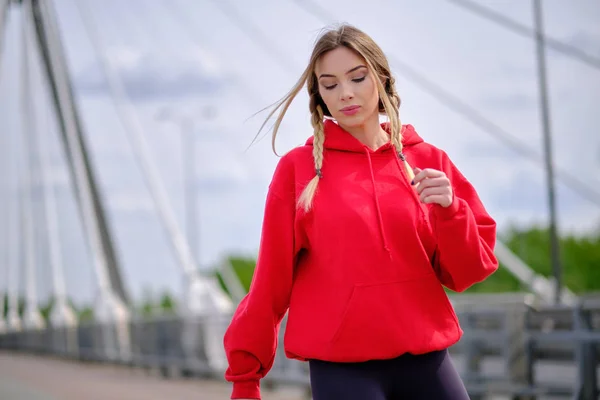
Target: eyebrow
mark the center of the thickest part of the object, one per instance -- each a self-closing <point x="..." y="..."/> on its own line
<point x="347" y="72"/>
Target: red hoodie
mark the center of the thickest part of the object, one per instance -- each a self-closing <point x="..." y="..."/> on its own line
<point x="361" y="273"/>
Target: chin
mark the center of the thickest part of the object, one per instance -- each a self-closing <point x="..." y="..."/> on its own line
<point x="351" y="121"/>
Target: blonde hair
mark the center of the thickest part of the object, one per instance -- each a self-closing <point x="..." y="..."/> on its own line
<point x="389" y="102"/>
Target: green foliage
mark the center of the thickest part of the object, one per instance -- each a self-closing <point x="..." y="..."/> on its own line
<point x="21" y="306"/>
<point x="150" y="305"/>
<point x="85" y="314"/>
<point x="501" y="281"/>
<point x="5" y="309"/>
<point x="46" y="309"/>
<point x="146" y="308"/>
<point x="167" y="304"/>
<point x="222" y="283"/>
<point x="244" y="268"/>
<point x="580" y="257"/>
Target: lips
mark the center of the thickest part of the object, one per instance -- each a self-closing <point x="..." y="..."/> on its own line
<point x="350" y="110"/>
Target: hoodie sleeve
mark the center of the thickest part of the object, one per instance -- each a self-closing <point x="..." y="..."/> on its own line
<point x="251" y="339"/>
<point x="465" y="233"/>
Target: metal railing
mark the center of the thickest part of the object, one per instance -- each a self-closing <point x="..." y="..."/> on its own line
<point x="515" y="337"/>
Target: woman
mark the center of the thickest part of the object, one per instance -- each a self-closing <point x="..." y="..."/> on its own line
<point x="362" y="227"/>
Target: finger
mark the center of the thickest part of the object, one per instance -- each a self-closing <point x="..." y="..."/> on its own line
<point x="436" y="199"/>
<point x="433" y="182"/>
<point x="434" y="191"/>
<point x="415" y="171"/>
<point x="427" y="173"/>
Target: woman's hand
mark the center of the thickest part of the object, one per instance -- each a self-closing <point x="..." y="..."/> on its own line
<point x="433" y="187"/>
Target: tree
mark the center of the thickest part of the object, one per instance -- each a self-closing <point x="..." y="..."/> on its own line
<point x="501" y="281"/>
<point x="580" y="255"/>
<point x="5" y="310"/>
<point x="146" y="307"/>
<point x="244" y="268"/>
<point x="21" y="307"/>
<point x="167" y="304"/>
<point x="85" y="314"/>
<point x="46" y="309"/>
<point x="222" y="283"/>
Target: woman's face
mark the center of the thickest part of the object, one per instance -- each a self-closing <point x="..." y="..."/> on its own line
<point x="347" y="87"/>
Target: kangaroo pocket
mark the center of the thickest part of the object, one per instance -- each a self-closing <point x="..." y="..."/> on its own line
<point x="387" y="319"/>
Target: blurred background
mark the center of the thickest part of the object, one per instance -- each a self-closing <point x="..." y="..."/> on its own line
<point x="132" y="189"/>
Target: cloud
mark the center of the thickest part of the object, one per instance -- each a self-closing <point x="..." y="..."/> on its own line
<point x="151" y="75"/>
<point x="132" y="201"/>
<point x="514" y="100"/>
<point x="586" y="41"/>
<point x="478" y="62"/>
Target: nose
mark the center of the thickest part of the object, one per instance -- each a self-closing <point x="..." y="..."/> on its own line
<point x="346" y="92"/>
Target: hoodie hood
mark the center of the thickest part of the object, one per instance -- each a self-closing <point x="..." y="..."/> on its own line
<point x="336" y="138"/>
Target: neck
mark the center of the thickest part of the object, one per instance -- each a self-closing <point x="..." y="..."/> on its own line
<point x="370" y="133"/>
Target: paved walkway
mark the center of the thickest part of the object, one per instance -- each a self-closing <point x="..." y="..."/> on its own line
<point x="26" y="377"/>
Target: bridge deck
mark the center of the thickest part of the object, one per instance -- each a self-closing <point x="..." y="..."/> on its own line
<point x="26" y="377"/>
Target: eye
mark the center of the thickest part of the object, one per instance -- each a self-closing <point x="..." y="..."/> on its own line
<point x="330" y="86"/>
<point x="358" y="80"/>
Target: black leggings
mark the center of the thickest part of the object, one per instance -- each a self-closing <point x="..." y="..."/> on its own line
<point x="429" y="376"/>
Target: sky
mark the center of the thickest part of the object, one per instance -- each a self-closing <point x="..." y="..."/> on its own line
<point x="182" y="57"/>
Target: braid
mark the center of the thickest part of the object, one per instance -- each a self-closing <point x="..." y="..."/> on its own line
<point x="391" y="103"/>
<point x="317" y="122"/>
<point x="396" y="138"/>
<point x="306" y="198"/>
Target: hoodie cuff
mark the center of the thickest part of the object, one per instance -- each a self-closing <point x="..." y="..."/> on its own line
<point x="446" y="213"/>
<point x="246" y="390"/>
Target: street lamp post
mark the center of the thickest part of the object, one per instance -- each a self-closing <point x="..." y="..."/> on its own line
<point x="188" y="166"/>
<point x="545" y="114"/>
<point x="187" y="128"/>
